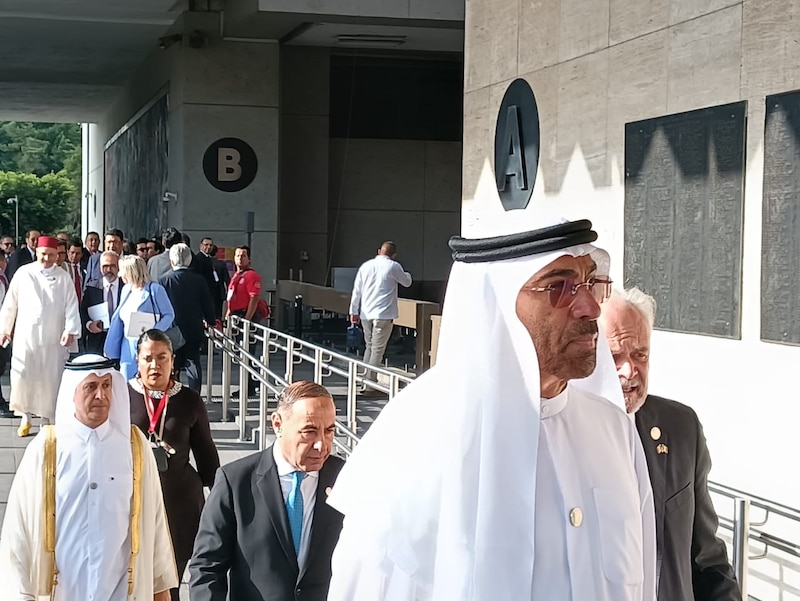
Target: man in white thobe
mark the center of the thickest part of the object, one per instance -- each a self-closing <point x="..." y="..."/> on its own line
<point x="109" y="539"/>
<point x="40" y="313"/>
<point x="524" y="481"/>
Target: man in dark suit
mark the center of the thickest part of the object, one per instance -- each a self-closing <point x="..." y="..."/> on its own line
<point x="201" y="265"/>
<point x="223" y="278"/>
<point x="191" y="301"/>
<point x="113" y="240"/>
<point x="266" y="524"/>
<point x="23" y="256"/>
<point x="692" y="561"/>
<point x="96" y="292"/>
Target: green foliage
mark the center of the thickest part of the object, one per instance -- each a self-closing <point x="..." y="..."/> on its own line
<point x="43" y="201"/>
<point x="40" y="163"/>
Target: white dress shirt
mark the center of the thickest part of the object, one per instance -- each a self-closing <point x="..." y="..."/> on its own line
<point x="589" y="535"/>
<point x="375" y="288"/>
<point x="93" y="502"/>
<point x="308" y="487"/>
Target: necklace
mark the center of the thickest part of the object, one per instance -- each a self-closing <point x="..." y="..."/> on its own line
<point x="136" y="384"/>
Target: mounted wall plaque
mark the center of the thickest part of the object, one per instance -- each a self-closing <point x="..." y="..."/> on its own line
<point x="684" y="180"/>
<point x="780" y="225"/>
<point x="516" y="146"/>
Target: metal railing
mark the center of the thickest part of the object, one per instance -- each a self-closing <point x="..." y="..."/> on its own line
<point x="744" y="503"/>
<point x="239" y="345"/>
<point x="238" y="349"/>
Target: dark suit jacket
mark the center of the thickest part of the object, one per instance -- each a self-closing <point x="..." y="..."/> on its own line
<point x="222" y="280"/>
<point x="244" y="530"/>
<point x="191" y="301"/>
<point x="93" y="272"/>
<point x="17" y="259"/>
<point x="85" y="262"/>
<point x="201" y="265"/>
<point x="694" y="562"/>
<point x="93" y="295"/>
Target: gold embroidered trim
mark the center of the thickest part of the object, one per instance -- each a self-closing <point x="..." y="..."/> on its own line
<point x="50" y="502"/>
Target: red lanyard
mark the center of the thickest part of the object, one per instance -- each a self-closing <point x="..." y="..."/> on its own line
<point x="155" y="412"/>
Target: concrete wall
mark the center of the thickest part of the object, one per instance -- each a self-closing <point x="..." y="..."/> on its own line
<point x="595" y="65"/>
<point x="305" y="74"/>
<point x="401" y="190"/>
<point x="225" y="89"/>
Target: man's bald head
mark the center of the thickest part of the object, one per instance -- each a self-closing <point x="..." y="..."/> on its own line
<point x="388" y="248"/>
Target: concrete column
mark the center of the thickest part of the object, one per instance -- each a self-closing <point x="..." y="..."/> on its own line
<point x="92" y="184"/>
<point x="304" y="161"/>
<point x="224" y="89"/>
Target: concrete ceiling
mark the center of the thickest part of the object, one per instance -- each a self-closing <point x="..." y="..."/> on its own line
<point x="66" y="60"/>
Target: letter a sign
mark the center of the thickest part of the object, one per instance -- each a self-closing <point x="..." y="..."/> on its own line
<point x="230" y="164"/>
<point x="516" y="146"/>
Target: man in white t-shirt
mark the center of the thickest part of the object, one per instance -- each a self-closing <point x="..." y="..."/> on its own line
<point x="374" y="301"/>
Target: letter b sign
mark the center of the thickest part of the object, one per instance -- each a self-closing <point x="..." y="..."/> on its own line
<point x="230" y="164"/>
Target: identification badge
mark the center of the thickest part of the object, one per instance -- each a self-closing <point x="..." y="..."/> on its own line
<point x="160" y="454"/>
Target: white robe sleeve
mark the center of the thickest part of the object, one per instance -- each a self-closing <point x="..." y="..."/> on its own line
<point x="19" y="554"/>
<point x="648" y="517"/>
<point x="72" y="317"/>
<point x="165" y="574"/>
<point x="356" y="576"/>
<point x="8" y="313"/>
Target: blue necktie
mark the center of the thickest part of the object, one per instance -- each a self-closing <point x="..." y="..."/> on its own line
<point x="294" y="508"/>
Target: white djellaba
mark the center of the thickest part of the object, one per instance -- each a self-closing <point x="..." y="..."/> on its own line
<point x="440" y="496"/>
<point x="94" y="501"/>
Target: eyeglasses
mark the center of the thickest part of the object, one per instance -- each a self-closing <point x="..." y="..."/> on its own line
<point x="562" y="292"/>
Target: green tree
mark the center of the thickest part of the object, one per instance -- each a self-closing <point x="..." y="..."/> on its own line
<point x="44" y="202"/>
<point x="44" y="149"/>
<point x="39" y="148"/>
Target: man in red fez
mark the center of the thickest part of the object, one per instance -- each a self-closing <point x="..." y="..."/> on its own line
<point x="40" y="312"/>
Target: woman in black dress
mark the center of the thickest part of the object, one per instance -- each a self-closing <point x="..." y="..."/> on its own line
<point x="175" y="419"/>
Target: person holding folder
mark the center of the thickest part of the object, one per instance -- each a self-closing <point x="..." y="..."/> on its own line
<point x="98" y="302"/>
<point x="144" y="305"/>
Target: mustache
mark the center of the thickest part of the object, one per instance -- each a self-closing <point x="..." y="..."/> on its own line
<point x="582" y="328"/>
<point x="628" y="384"/>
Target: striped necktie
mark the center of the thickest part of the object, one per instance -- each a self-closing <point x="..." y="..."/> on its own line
<point x="294" y="509"/>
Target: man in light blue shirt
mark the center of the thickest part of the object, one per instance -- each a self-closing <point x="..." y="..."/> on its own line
<point x="374" y="301"/>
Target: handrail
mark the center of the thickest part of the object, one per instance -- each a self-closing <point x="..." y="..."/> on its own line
<point x="756" y="532"/>
<point x="756" y="501"/>
<point x="238" y="349"/>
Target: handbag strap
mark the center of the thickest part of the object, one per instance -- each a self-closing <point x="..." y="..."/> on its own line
<point x="153" y="303"/>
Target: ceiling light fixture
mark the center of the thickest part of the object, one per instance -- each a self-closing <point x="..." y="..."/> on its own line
<point x="368" y="39"/>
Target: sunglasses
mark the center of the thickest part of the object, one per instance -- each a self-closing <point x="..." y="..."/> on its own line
<point x="563" y="292"/>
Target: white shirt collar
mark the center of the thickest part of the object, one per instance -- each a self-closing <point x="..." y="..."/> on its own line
<point x="107" y="284"/>
<point x="554" y="406"/>
<point x="83" y="431"/>
<point x="284" y="467"/>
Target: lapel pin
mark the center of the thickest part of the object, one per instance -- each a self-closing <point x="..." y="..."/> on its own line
<point x="655" y="432"/>
<point x="328" y="491"/>
<point x="662" y="449"/>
